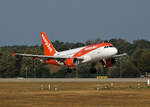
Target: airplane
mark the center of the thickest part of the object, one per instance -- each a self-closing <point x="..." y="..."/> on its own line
<point x="103" y="52"/>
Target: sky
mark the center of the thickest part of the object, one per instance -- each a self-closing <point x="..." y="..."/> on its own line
<point x="21" y="21"/>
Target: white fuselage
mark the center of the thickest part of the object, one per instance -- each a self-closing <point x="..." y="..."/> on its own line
<point x="100" y="53"/>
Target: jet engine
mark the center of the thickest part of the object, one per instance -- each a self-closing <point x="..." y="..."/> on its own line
<point x="71" y="62"/>
<point x="109" y="62"/>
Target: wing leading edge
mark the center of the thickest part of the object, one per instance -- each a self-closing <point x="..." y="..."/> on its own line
<point x="120" y="55"/>
<point x="45" y="57"/>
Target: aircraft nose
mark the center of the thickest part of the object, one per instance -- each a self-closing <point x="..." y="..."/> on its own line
<point x="115" y="51"/>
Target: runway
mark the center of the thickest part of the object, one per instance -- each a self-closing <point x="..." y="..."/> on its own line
<point x="73" y="80"/>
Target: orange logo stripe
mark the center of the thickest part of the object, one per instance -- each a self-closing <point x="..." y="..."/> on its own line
<point x="90" y="48"/>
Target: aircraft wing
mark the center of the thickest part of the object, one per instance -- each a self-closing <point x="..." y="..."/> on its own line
<point x="45" y="57"/>
<point x="120" y="55"/>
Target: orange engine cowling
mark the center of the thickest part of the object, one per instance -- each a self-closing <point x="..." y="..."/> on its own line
<point x="110" y="62"/>
<point x="71" y="62"/>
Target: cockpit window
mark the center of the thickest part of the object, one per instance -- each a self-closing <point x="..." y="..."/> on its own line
<point x="107" y="46"/>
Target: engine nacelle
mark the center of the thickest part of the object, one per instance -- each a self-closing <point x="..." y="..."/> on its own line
<point x="71" y="62"/>
<point x="109" y="62"/>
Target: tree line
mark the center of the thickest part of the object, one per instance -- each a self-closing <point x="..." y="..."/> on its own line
<point x="135" y="64"/>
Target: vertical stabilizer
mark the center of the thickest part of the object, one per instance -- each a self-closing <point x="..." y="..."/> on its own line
<point x="49" y="50"/>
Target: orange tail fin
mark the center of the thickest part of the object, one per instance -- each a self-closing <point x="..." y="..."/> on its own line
<point x="49" y="50"/>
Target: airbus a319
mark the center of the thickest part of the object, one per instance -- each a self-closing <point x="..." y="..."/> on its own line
<point x="103" y="52"/>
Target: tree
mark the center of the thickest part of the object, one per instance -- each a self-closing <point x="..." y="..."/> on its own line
<point x="142" y="44"/>
<point x="136" y="58"/>
<point x="128" y="69"/>
<point x="145" y="61"/>
<point x="138" y="62"/>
